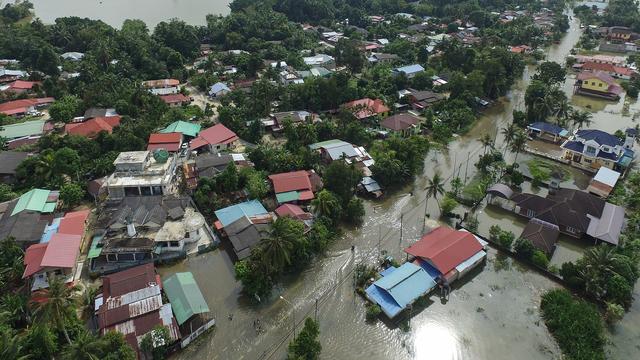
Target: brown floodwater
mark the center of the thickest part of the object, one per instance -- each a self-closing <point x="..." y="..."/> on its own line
<point x="492" y="314"/>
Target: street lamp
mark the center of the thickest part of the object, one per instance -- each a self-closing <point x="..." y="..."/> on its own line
<point x="293" y="315"/>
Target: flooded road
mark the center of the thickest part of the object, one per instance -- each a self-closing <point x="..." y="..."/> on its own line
<point x="492" y="314"/>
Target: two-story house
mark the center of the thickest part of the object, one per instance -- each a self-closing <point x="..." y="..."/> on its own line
<point x="592" y="149"/>
<point x="597" y="84"/>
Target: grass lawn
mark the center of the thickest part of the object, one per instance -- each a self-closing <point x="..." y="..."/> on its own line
<point x="542" y="170"/>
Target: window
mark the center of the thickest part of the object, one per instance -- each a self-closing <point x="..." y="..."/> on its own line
<point x="590" y="150"/>
<point x="571" y="230"/>
<point x="593" y="83"/>
<point x="599" y="84"/>
<point x="531" y="213"/>
<point x="588" y="161"/>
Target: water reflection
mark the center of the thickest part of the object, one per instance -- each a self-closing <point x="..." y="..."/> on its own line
<point x="435" y="341"/>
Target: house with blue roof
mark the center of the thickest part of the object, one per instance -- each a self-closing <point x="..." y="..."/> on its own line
<point x="592" y="149"/>
<point x="547" y="132"/>
<point x="249" y="209"/>
<point x="399" y="288"/>
<point x="219" y="89"/>
<point x="410" y="71"/>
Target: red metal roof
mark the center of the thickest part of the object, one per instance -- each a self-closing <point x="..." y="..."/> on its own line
<point x="129" y="280"/>
<point x="291" y="181"/>
<point x="32" y="259"/>
<point x="445" y="248"/>
<point x="175" y="98"/>
<point x="217" y="134"/>
<point x="93" y="126"/>
<point x="62" y="251"/>
<point x="168" y="141"/>
<point x="74" y="222"/>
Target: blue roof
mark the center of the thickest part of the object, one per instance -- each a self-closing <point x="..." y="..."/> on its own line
<point x="50" y="230"/>
<point x="395" y="291"/>
<point x="234" y="212"/>
<point x="548" y="128"/>
<point x="410" y="69"/>
<point x="217" y="87"/>
<point x="573" y="145"/>
<point x="387" y="271"/>
<point x="599" y="136"/>
<point x="432" y="271"/>
<point x="608" y="156"/>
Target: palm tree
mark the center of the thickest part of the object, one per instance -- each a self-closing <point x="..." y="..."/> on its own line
<point x="599" y="267"/>
<point x="486" y="141"/>
<point x="509" y="133"/>
<point x="57" y="305"/>
<point x="325" y="204"/>
<point x="435" y="188"/>
<point x="16" y="309"/>
<point x="87" y="299"/>
<point x="562" y="110"/>
<point x="277" y="245"/>
<point x="518" y="143"/>
<point x="85" y="347"/>
<point x="580" y="118"/>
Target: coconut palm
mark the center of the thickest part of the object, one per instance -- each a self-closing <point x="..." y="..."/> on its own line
<point x="326" y="204"/>
<point x="486" y="141"/>
<point x="57" y="306"/>
<point x="518" y="144"/>
<point x="16" y="309"/>
<point x="580" y="118"/>
<point x="435" y="187"/>
<point x="87" y="299"/>
<point x="509" y="133"/>
<point x="276" y="247"/>
<point x="85" y="347"/>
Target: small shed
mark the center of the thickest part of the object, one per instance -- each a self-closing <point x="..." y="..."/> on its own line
<point x="603" y="183"/>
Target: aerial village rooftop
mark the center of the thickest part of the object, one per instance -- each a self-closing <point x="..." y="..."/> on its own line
<point x="213" y="187"/>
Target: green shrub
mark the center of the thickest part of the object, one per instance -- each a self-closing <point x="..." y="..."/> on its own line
<point x="373" y="311"/>
<point x="540" y="259"/>
<point x="614" y="313"/>
<point x="524" y="248"/>
<point x="506" y="239"/>
<point x="494" y="232"/>
<point x="575" y="324"/>
<point x="448" y="205"/>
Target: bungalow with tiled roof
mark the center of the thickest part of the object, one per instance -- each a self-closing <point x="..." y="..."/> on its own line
<point x="19" y="86"/>
<point x="365" y="108"/>
<point x="598" y="84"/>
<point x="403" y="124"/>
<point x="92" y="127"/>
<point x="214" y="139"/>
<point x="592" y="149"/>
<point x="618" y="72"/>
<point x="24" y="106"/>
<point x="175" y="100"/>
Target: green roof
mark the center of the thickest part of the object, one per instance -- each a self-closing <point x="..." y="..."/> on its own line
<point x="95" y="250"/>
<point x="287" y="196"/>
<point x="185" y="296"/>
<point x="34" y="200"/>
<point x="186" y="128"/>
<point x="19" y="130"/>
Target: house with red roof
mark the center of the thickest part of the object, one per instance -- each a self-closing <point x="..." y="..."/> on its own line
<point x="175" y="100"/>
<point x="446" y="253"/>
<point x="597" y="84"/>
<point x="131" y="303"/>
<point x="168" y="141"/>
<point x="215" y="139"/>
<point x="92" y="127"/>
<point x="58" y="250"/>
<point x="367" y="108"/>
<point x="295" y="186"/>
<point x="618" y="72"/>
<point x="19" y="86"/>
<point x="24" y="106"/>
<point x="57" y="257"/>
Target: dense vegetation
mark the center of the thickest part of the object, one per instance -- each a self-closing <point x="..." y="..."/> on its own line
<point x="575" y="324"/>
<point x="306" y="345"/>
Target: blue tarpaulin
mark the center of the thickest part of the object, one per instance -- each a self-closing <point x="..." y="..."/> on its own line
<point x="50" y="230"/>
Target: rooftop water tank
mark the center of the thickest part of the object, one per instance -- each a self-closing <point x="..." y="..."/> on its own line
<point x="161" y="155"/>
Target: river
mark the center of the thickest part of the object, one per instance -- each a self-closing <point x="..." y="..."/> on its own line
<point x="114" y="12"/>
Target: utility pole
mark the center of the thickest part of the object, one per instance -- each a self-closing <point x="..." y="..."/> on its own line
<point x="466" y="167"/>
<point x="315" y="316"/>
<point x="401" y="220"/>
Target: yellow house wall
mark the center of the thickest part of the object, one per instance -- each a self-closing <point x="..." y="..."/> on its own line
<point x="595" y="85"/>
